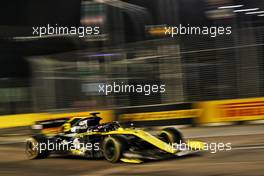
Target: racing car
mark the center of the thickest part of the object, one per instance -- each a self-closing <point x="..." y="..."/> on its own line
<point x="89" y="138"/>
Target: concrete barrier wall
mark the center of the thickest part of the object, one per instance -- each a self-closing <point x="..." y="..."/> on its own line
<point x="171" y="114"/>
<point x="199" y="113"/>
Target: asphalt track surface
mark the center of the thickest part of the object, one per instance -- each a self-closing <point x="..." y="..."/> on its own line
<point x="245" y="159"/>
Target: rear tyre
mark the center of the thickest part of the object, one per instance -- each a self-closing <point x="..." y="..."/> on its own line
<point x="33" y="147"/>
<point x="171" y="136"/>
<point x="113" y="147"/>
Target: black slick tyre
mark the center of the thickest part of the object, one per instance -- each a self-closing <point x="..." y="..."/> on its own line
<point x="33" y="150"/>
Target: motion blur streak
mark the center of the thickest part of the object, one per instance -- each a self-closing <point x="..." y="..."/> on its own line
<point x="209" y="81"/>
<point x="223" y="163"/>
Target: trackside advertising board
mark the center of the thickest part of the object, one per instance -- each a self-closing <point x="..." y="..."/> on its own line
<point x="16" y="120"/>
<point x="231" y="110"/>
<point x="172" y="114"/>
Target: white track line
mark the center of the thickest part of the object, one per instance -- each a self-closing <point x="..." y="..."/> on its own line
<point x="248" y="148"/>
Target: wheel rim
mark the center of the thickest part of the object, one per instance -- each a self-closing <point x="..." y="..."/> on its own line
<point x="31" y="150"/>
<point x="110" y="150"/>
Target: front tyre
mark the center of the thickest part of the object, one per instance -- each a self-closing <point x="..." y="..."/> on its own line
<point x="33" y="149"/>
<point x="113" y="148"/>
<point x="171" y="136"/>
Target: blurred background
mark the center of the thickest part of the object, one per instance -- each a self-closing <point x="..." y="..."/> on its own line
<point x="61" y="72"/>
<point x="209" y="80"/>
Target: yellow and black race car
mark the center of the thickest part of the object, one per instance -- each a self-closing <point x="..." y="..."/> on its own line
<point x="88" y="138"/>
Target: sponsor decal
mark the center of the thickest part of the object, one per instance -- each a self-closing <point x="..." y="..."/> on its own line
<point x="163" y="115"/>
<point x="241" y="109"/>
